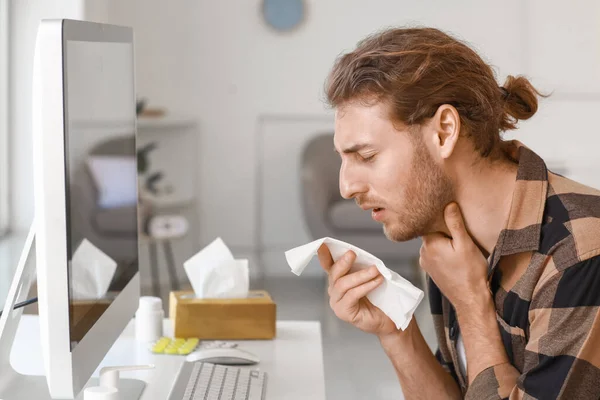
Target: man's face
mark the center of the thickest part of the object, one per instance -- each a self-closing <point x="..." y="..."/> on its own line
<point x="389" y="170"/>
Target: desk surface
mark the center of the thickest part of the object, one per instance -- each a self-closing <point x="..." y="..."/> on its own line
<point x="293" y="361"/>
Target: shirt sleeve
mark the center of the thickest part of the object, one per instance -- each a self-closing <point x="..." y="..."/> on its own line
<point x="562" y="353"/>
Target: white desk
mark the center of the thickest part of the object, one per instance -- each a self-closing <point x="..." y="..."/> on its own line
<point x="293" y="361"/>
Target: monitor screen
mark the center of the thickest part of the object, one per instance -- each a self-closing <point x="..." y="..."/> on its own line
<point x="101" y="178"/>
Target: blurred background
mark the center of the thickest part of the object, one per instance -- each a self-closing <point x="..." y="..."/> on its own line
<point x="235" y="141"/>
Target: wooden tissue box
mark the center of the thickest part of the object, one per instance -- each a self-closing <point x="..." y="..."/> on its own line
<point x="252" y="317"/>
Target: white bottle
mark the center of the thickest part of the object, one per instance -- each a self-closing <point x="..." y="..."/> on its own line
<point x="149" y="319"/>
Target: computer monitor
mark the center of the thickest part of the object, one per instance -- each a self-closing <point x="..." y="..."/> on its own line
<point x="85" y="186"/>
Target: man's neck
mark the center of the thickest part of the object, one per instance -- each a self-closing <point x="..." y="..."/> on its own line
<point x="485" y="196"/>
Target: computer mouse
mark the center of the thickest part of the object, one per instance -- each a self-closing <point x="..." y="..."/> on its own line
<point x="223" y="356"/>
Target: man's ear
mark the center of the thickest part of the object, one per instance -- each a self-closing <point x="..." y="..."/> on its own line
<point x="446" y="126"/>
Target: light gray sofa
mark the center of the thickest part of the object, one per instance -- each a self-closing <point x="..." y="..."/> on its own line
<point x="327" y="213"/>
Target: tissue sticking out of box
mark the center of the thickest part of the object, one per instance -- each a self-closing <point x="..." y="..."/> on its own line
<point x="91" y="271"/>
<point x="215" y="273"/>
<point x="396" y="296"/>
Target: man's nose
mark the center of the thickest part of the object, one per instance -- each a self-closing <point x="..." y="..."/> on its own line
<point x="350" y="184"/>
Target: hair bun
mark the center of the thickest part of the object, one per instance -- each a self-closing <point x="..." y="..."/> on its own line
<point x="520" y="101"/>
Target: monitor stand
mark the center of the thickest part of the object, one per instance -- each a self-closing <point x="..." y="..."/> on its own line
<point x="16" y="386"/>
<point x="19" y="387"/>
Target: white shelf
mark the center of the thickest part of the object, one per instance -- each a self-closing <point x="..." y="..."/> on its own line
<point x="143" y="123"/>
<point x="167" y="122"/>
<point x="169" y="201"/>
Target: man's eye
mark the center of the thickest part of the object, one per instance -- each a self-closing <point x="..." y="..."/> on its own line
<point x="368" y="158"/>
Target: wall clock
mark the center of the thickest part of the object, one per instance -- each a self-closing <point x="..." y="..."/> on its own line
<point x="283" y="15"/>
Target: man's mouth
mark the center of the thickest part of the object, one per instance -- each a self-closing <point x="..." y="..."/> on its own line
<point x="377" y="213"/>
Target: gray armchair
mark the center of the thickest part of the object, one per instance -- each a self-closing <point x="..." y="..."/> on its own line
<point x="327" y="213"/>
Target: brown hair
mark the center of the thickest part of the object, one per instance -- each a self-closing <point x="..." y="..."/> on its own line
<point x="416" y="70"/>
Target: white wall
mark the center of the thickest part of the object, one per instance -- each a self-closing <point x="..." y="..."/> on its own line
<point x="25" y="16"/>
<point x="218" y="62"/>
<point x="562" y="54"/>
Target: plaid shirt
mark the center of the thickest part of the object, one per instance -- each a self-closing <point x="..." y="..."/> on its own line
<point x="544" y="276"/>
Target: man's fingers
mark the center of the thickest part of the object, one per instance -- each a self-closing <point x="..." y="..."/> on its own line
<point x="353" y="295"/>
<point x="325" y="257"/>
<point x="455" y="223"/>
<point x="341" y="267"/>
<point x="348" y="282"/>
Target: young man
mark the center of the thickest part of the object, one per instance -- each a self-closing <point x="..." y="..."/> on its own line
<point x="511" y="249"/>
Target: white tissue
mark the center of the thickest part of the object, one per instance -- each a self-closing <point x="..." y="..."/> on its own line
<point x="215" y="273"/>
<point x="91" y="272"/>
<point x="396" y="296"/>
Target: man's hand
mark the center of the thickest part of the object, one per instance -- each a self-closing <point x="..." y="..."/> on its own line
<point x="455" y="264"/>
<point x="459" y="269"/>
<point x="420" y="374"/>
<point x="347" y="293"/>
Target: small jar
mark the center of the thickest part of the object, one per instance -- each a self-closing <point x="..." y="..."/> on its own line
<point x="149" y="319"/>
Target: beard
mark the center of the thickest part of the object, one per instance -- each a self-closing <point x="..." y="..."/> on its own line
<point x="428" y="192"/>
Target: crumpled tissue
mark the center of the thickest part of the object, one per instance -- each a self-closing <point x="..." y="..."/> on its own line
<point x="396" y="296"/>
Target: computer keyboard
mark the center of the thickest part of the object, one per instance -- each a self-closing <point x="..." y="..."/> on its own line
<point x="206" y="381"/>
